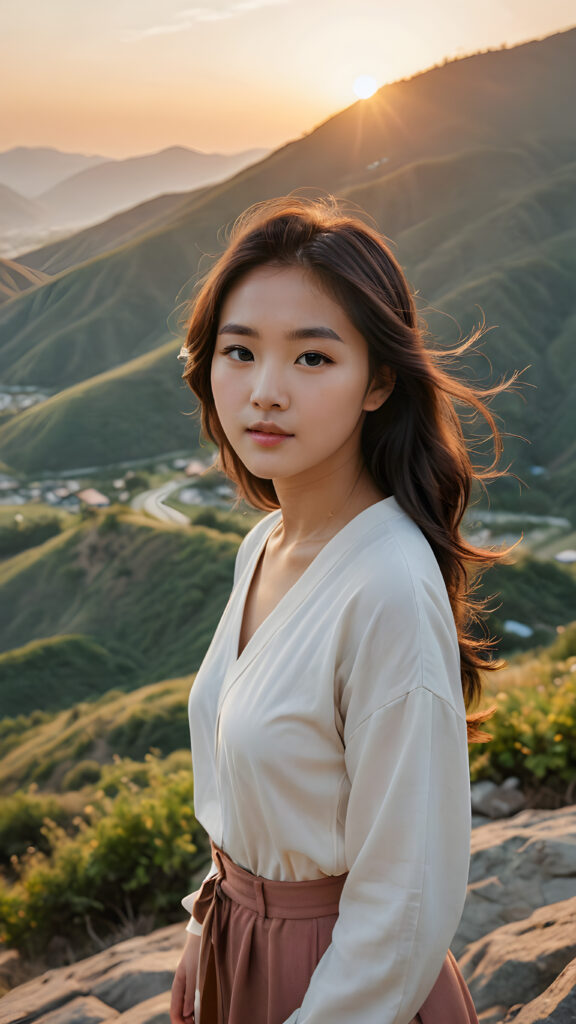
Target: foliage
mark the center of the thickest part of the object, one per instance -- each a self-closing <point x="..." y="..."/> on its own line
<point x="45" y="748"/>
<point x="84" y="773"/>
<point x="164" y="727"/>
<point x="22" y="817"/>
<point x="11" y="729"/>
<point x="141" y="601"/>
<point x="541" y="594"/>
<point x="55" y="671"/>
<point x="109" y="523"/>
<point x="534" y="727"/>
<point x="18" y="536"/>
<point x="139" y="848"/>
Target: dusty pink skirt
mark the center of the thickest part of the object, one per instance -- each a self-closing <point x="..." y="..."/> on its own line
<point x="261" y="941"/>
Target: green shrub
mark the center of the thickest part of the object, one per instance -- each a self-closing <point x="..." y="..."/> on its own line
<point x="22" y="819"/>
<point x="40" y="771"/>
<point x="125" y="772"/>
<point x="140" y="849"/>
<point x="534" y="727"/>
<point x="85" y="773"/>
<point x="164" y="727"/>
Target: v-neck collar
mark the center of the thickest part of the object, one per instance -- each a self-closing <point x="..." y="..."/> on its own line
<point x="328" y="556"/>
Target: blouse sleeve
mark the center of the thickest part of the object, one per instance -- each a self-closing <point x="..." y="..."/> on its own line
<point x="407" y="824"/>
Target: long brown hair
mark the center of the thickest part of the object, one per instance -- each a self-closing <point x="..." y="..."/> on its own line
<point x="414" y="444"/>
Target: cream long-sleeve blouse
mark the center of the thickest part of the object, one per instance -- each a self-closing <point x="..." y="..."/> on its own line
<point x="337" y="743"/>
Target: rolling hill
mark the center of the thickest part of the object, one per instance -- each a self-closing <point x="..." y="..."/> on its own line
<point x="469" y="168"/>
<point x="110" y="602"/>
<point x="142" y="397"/>
<point x="16" y="278"/>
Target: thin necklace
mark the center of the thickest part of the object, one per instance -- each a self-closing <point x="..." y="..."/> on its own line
<point x="331" y="516"/>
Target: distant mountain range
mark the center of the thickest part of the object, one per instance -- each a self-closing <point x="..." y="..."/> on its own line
<point x="470" y="168"/>
<point x="18" y="212"/>
<point x="31" y="170"/>
<point x="48" y="189"/>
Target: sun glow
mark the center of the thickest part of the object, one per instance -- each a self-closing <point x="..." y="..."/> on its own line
<point x="365" y="86"/>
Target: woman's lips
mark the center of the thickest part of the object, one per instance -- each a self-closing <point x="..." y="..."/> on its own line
<point x="268" y="440"/>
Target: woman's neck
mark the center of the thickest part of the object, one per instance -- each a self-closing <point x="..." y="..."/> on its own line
<point x="313" y="513"/>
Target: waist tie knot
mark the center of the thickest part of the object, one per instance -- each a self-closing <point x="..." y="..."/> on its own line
<point x="316" y="898"/>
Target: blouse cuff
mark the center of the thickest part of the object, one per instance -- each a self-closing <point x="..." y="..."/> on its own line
<point x="194" y="927"/>
<point x="189" y="901"/>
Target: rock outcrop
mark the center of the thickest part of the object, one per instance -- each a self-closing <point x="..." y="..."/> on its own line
<point x="518" y="962"/>
<point x="128" y="983"/>
<point x="516" y="943"/>
<point x="517" y="865"/>
<point x="557" y="1005"/>
<point x="495" y="801"/>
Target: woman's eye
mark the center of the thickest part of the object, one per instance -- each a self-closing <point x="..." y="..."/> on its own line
<point x="238" y="353"/>
<point x="314" y="358"/>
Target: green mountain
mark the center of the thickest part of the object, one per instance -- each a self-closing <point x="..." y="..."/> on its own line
<point x="16" y="278"/>
<point x="110" y="602"/>
<point x="117" y="408"/>
<point x="469" y="168"/>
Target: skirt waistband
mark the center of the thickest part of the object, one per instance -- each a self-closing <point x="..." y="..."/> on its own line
<point x="317" y="897"/>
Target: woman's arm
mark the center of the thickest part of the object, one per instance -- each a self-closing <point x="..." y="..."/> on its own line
<point x="407" y="825"/>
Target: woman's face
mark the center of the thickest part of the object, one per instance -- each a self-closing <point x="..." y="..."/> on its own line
<point x="290" y="376"/>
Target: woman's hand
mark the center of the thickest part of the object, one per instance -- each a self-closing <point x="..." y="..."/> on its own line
<point x="184" y="984"/>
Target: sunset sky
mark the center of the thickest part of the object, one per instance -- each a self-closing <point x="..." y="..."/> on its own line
<point x="124" y="77"/>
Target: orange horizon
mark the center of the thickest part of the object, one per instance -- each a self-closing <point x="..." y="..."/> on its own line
<point x="238" y="93"/>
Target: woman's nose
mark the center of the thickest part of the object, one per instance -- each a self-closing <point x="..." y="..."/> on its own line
<point x="268" y="390"/>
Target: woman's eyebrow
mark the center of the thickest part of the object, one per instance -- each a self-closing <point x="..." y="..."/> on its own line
<point x="298" y="334"/>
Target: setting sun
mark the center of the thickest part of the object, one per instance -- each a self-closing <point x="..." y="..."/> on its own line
<point x="365" y="86"/>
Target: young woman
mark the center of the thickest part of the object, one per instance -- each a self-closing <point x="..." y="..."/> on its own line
<point x="328" y="718"/>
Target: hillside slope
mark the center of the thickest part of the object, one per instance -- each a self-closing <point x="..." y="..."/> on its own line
<point x="141" y="406"/>
<point x="149" y="597"/>
<point x="16" y="278"/>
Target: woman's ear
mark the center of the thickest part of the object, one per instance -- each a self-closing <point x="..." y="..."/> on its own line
<point x="380" y="389"/>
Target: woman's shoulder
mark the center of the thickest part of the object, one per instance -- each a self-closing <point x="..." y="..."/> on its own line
<point x="395" y="631"/>
<point x="394" y="561"/>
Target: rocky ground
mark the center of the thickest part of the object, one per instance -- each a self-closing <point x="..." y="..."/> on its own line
<point x="516" y="943"/>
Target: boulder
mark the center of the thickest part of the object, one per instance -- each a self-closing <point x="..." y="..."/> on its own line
<point x="151" y="1011"/>
<point x="557" y="1005"/>
<point x="495" y="801"/>
<point x="515" y="943"/>
<point x="516" y="963"/>
<point x="517" y="865"/>
<point x="84" y="1010"/>
<point x="10" y="969"/>
<point x="104" y="987"/>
